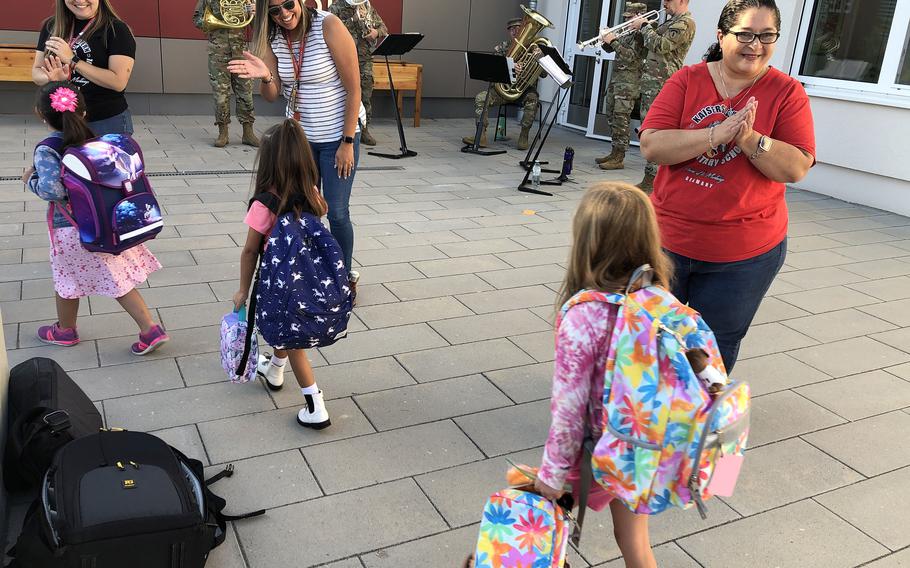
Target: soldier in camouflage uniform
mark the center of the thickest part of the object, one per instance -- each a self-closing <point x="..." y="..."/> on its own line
<point x="528" y="101"/>
<point x="667" y="46"/>
<point x="224" y="45"/>
<point x="368" y="29"/>
<point x="625" y="86"/>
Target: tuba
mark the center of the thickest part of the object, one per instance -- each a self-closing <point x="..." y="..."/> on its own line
<point x="235" y="15"/>
<point x="525" y="53"/>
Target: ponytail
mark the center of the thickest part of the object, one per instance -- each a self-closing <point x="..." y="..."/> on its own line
<point x="75" y="129"/>
<point x="62" y="106"/>
<point x="713" y="54"/>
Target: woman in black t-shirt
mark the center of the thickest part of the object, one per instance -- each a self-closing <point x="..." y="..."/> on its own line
<point x="85" y="43"/>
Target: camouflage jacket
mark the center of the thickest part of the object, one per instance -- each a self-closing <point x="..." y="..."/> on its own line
<point x="667" y="45"/>
<point x="630" y="55"/>
<point x="502" y="47"/>
<point x="359" y="27"/>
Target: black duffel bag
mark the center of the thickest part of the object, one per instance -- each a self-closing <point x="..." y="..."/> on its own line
<point x="118" y="498"/>
<point x="47" y="410"/>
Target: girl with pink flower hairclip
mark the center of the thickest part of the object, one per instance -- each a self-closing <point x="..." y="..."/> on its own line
<point x="78" y="272"/>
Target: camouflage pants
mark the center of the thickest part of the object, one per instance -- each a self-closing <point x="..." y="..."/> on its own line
<point x="528" y="102"/>
<point x="225" y="45"/>
<point x="621" y="97"/>
<point x="650" y="87"/>
<point x="366" y="86"/>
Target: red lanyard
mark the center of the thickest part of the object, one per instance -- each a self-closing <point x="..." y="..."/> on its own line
<point x="74" y="40"/>
<point x="297" y="64"/>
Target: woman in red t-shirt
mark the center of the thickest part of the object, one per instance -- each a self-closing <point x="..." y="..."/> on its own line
<point x="728" y="133"/>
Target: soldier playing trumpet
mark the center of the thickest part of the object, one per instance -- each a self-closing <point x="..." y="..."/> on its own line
<point x="224" y="22"/>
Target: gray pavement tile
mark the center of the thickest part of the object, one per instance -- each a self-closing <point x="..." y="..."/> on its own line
<point x="876" y="269"/>
<point x="419" y="239"/>
<point x="859" y="396"/>
<point x="207" y="229"/>
<point x="28" y="310"/>
<point x="886" y="289"/>
<point x="416" y="311"/>
<point x="116" y="351"/>
<point x="460" y="360"/>
<point x="44" y="288"/>
<point x="871" y="251"/>
<point x="370" y="518"/>
<point x="902" y="371"/>
<point x="820" y="278"/>
<point x="403" y="254"/>
<point x="382" y="342"/>
<point x="266" y="482"/>
<point x="517" y="277"/>
<point x="880" y="507"/>
<point x="390" y="455"/>
<point x="372" y="294"/>
<point x="828" y="299"/>
<point x="454" y="213"/>
<point x="461" y="265"/>
<point x="374" y="219"/>
<point x="668" y="555"/>
<point x="513" y="298"/>
<point x="470" y="248"/>
<point x="448" y="549"/>
<point x="187" y="440"/>
<point x="427" y="402"/>
<point x="216" y="255"/>
<point x="770" y="338"/>
<point x="812" y="242"/>
<point x="347" y="563"/>
<point x="799" y="471"/>
<point x="489" y="326"/>
<point x="127" y="380"/>
<point x="81" y="356"/>
<point x="864" y="237"/>
<point x="870" y="446"/>
<point x="803" y="534"/>
<point x="539" y="345"/>
<point x="526" y="383"/>
<point x="379" y="230"/>
<point x="389" y="273"/>
<point x="536" y="257"/>
<point x="194" y="315"/>
<point x="509" y="429"/>
<point x="841" y="324"/>
<point x="400" y="207"/>
<point x="186" y="406"/>
<point x="773" y="309"/>
<point x="167" y="296"/>
<point x="434" y="287"/>
<point x="817" y="259"/>
<point x="459" y="493"/>
<point x="896" y="312"/>
<point x="897" y="560"/>
<point x="850" y="356"/>
<point x="195" y="274"/>
<point x="277" y="430"/>
<point x="785" y="414"/>
<point x="488" y="233"/>
<point x="10" y="332"/>
<point x="440" y="225"/>
<point x="9" y="291"/>
<point x="201" y="369"/>
<point x="228" y="555"/>
<point x="776" y="372"/>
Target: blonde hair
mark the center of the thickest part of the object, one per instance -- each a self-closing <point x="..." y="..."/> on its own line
<point x="613" y="233"/>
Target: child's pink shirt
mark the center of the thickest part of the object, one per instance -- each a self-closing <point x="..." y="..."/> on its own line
<point x="260" y="219"/>
<point x="582" y="341"/>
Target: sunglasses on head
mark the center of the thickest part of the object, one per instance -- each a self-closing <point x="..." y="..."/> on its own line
<point x="288" y="5"/>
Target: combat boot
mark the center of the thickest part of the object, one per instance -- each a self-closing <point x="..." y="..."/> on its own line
<point x="646" y="184"/>
<point x="222" y="139"/>
<point x="469" y="140"/>
<point x="616" y="161"/>
<point x="523" y="138"/>
<point x="608" y="158"/>
<point x="367" y="138"/>
<point x="249" y="137"/>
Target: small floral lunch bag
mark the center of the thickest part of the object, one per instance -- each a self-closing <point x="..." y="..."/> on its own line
<point x="233" y="336"/>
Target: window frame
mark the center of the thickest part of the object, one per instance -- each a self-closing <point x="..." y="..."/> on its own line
<point x="887" y="91"/>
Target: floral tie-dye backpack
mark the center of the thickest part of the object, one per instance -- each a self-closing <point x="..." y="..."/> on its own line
<point x="521" y="529"/>
<point x="664" y="437"/>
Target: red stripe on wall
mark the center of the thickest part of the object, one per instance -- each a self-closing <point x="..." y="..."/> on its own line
<point x="158" y="18"/>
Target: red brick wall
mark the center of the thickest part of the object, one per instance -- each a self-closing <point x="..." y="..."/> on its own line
<point x="155" y="18"/>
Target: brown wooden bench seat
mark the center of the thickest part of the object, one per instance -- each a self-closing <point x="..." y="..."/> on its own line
<point x="16" y="62"/>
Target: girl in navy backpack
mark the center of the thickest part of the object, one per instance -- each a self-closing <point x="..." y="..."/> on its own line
<point x="301" y="296"/>
<point x="78" y="272"/>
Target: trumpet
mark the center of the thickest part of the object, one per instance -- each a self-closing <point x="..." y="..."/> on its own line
<point x="622" y="29"/>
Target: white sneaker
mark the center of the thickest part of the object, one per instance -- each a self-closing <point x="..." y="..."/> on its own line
<point x="274" y="376"/>
<point x="314" y="415"/>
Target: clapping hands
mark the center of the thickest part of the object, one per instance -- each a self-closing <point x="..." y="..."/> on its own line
<point x="738" y="127"/>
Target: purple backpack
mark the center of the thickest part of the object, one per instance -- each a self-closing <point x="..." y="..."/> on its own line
<point x="110" y="199"/>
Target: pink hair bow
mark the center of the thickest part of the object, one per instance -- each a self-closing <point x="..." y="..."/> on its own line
<point x="64" y="99"/>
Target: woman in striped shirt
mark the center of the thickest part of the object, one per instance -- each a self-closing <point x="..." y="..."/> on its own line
<point x="309" y="58"/>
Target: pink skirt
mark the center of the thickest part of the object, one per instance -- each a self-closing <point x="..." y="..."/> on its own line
<point x="78" y="272"/>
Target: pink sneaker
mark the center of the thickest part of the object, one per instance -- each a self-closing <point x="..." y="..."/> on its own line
<point x="150" y="341"/>
<point x="56" y="335"/>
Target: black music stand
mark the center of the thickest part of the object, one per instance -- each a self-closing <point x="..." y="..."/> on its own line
<point x="397" y="44"/>
<point x="492" y="69"/>
<point x="558" y="70"/>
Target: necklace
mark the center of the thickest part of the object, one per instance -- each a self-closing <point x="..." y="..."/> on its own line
<point x="720" y="68"/>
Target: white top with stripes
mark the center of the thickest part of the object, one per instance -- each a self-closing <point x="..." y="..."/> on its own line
<point x="321" y="96"/>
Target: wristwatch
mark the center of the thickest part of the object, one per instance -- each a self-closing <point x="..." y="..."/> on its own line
<point x="74" y="59"/>
<point x="764" y="145"/>
<point x="347" y="139"/>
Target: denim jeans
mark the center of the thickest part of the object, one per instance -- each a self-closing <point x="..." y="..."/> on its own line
<point x="337" y="194"/>
<point x="727" y="294"/>
<point x="118" y="124"/>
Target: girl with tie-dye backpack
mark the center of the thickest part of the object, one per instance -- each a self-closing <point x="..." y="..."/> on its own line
<point x="626" y="401"/>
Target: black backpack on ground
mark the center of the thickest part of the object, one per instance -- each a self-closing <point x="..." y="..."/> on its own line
<point x="47" y="410"/>
<point x="118" y="498"/>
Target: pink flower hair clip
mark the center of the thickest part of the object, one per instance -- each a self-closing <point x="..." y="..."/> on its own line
<point x="64" y="99"/>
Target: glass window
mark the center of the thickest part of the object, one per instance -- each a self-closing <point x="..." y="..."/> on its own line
<point x="903" y="76"/>
<point x="847" y="39"/>
<point x="588" y="19"/>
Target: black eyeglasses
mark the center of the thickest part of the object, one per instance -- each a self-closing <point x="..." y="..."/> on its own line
<point x="749" y="37"/>
<point x="288" y="6"/>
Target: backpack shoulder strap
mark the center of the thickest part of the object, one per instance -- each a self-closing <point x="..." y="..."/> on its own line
<point x="587" y="296"/>
<point x="269" y="199"/>
<point x="55" y="143"/>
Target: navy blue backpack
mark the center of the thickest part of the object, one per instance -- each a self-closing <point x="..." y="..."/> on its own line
<point x="301" y="297"/>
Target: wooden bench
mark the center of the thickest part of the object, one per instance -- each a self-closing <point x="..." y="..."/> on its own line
<point x="407" y="77"/>
<point x="16" y="61"/>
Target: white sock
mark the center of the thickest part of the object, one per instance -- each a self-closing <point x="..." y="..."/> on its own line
<point x="278" y="361"/>
<point x="312" y="389"/>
